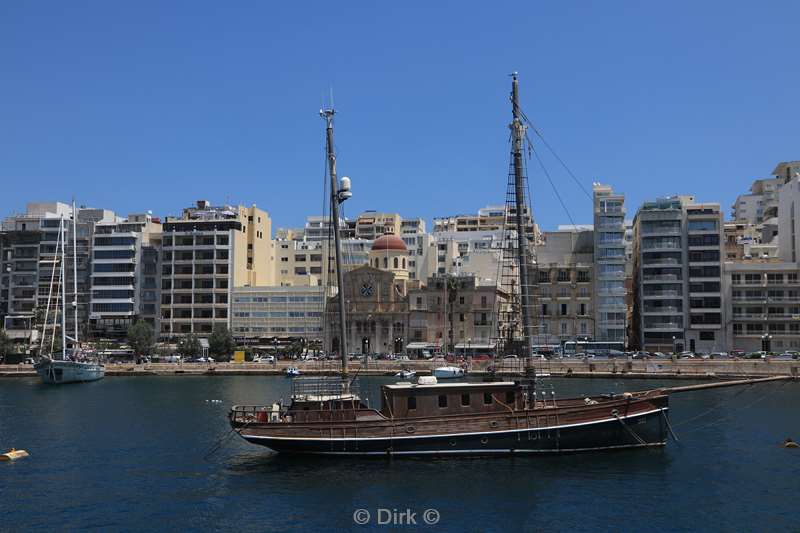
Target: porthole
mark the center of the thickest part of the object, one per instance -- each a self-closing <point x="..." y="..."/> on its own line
<point x="410" y="429"/>
<point x="494" y="424"/>
<point x="453" y="442"/>
<point x="484" y="440"/>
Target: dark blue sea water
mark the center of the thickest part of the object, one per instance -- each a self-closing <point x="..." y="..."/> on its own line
<point x="129" y="454"/>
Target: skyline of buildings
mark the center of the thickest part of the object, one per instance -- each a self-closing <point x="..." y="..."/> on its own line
<point x="676" y="275"/>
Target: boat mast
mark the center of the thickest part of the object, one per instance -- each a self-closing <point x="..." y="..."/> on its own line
<point x="61" y="228"/>
<point x="518" y="137"/>
<point x="336" y="198"/>
<point x="75" y="269"/>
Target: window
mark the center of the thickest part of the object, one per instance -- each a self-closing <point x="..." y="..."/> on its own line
<point x="487" y="398"/>
<point x="563" y="275"/>
<point x="464" y="400"/>
<point x="396" y="263"/>
<point x="442" y="401"/>
<point x="564" y="309"/>
<point x="706" y="335"/>
<point x="544" y="276"/>
<point x="412" y="403"/>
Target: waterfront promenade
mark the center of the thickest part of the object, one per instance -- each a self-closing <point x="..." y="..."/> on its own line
<point x="602" y="368"/>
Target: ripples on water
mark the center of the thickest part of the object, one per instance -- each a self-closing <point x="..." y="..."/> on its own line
<point x="130" y="454"/>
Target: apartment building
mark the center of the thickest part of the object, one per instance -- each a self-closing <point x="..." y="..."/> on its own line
<point x="760" y="205"/>
<point x="277" y="315"/>
<point x="763" y="305"/>
<point x="611" y="265"/>
<point x="458" y="311"/>
<point x="565" y="265"/>
<point x="678" y="275"/>
<point x="311" y="263"/>
<point x="125" y="282"/>
<point x="206" y="253"/>
<point x="30" y="255"/>
<point x="490" y="218"/>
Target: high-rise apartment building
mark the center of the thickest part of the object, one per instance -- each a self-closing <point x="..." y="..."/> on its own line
<point x="611" y="265"/>
<point x="207" y="252"/>
<point x="677" y="275"/>
<point x="126" y="282"/>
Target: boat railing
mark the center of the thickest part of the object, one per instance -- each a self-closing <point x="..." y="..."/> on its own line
<point x="324" y="387"/>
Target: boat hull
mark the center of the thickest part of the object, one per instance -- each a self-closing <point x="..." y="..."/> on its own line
<point x="58" y="372"/>
<point x="637" y="430"/>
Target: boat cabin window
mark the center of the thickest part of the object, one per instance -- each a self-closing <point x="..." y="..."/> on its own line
<point x="465" y="399"/>
<point x="510" y="397"/>
<point x="412" y="402"/>
<point x="487" y="398"/>
<point x="442" y="401"/>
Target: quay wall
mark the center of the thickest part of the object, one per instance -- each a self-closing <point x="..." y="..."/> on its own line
<point x="652" y="368"/>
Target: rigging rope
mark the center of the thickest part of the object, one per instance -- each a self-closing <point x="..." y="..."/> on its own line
<point x="552" y="151"/>
<point x="555" y="190"/>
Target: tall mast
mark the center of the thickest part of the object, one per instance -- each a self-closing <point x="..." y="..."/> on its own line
<point x="75" y="269"/>
<point x="518" y="137"/>
<point x="327" y="114"/>
<point x="61" y="228"/>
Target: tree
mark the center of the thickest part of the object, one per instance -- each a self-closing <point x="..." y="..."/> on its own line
<point x="6" y="345"/>
<point x="140" y="337"/>
<point x="189" y="346"/>
<point x="220" y="342"/>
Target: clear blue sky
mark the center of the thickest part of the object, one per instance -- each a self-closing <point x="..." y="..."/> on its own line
<point x="151" y="105"/>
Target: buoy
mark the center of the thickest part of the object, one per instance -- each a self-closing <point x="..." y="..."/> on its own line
<point x="789" y="443"/>
<point x="13" y="454"/>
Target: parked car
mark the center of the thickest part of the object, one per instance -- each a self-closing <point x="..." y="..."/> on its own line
<point x="403" y="358"/>
<point x="686" y="355"/>
<point x="720" y="355"/>
<point x="264" y="358"/>
<point x="481" y="357"/>
<point x="510" y="356"/>
<point x="29" y="361"/>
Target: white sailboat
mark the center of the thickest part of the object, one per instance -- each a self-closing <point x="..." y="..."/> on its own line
<point x="72" y="366"/>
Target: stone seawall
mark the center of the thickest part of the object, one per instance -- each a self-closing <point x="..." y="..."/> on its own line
<point x="663" y="368"/>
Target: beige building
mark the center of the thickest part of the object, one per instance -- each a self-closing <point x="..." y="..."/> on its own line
<point x="456" y="314"/>
<point x="763" y="305"/>
<point x="565" y="278"/>
<point x="207" y="252"/>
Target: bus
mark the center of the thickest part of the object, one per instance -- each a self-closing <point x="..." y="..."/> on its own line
<point x="610" y="348"/>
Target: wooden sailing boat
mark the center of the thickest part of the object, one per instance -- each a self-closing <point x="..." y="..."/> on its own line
<point x="72" y="366"/>
<point x="326" y="416"/>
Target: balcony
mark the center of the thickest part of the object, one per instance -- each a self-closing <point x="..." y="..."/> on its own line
<point x="662" y="310"/>
<point x="663" y="294"/>
<point x="664" y="326"/>
<point x="662" y="278"/>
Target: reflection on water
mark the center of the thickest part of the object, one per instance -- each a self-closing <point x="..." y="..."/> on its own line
<point x="133" y="453"/>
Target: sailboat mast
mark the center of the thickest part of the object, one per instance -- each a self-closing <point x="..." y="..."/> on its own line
<point x="61" y="228"/>
<point x="518" y="136"/>
<point x="75" y="269"/>
<point x="327" y="114"/>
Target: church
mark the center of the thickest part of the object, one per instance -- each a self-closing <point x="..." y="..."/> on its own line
<point x="376" y="301"/>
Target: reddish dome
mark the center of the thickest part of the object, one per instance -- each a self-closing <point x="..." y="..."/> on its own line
<point x="389" y="242"/>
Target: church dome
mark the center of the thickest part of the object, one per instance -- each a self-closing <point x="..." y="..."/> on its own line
<point x="389" y="242"/>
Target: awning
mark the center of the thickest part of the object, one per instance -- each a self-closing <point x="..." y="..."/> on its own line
<point x="475" y="346"/>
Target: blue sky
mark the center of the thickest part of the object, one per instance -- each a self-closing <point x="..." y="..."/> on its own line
<point x="151" y="105"/>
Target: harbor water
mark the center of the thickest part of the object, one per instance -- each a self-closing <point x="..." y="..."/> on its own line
<point x="143" y="454"/>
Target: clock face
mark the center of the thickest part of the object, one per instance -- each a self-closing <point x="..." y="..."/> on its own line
<point x="366" y="290"/>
